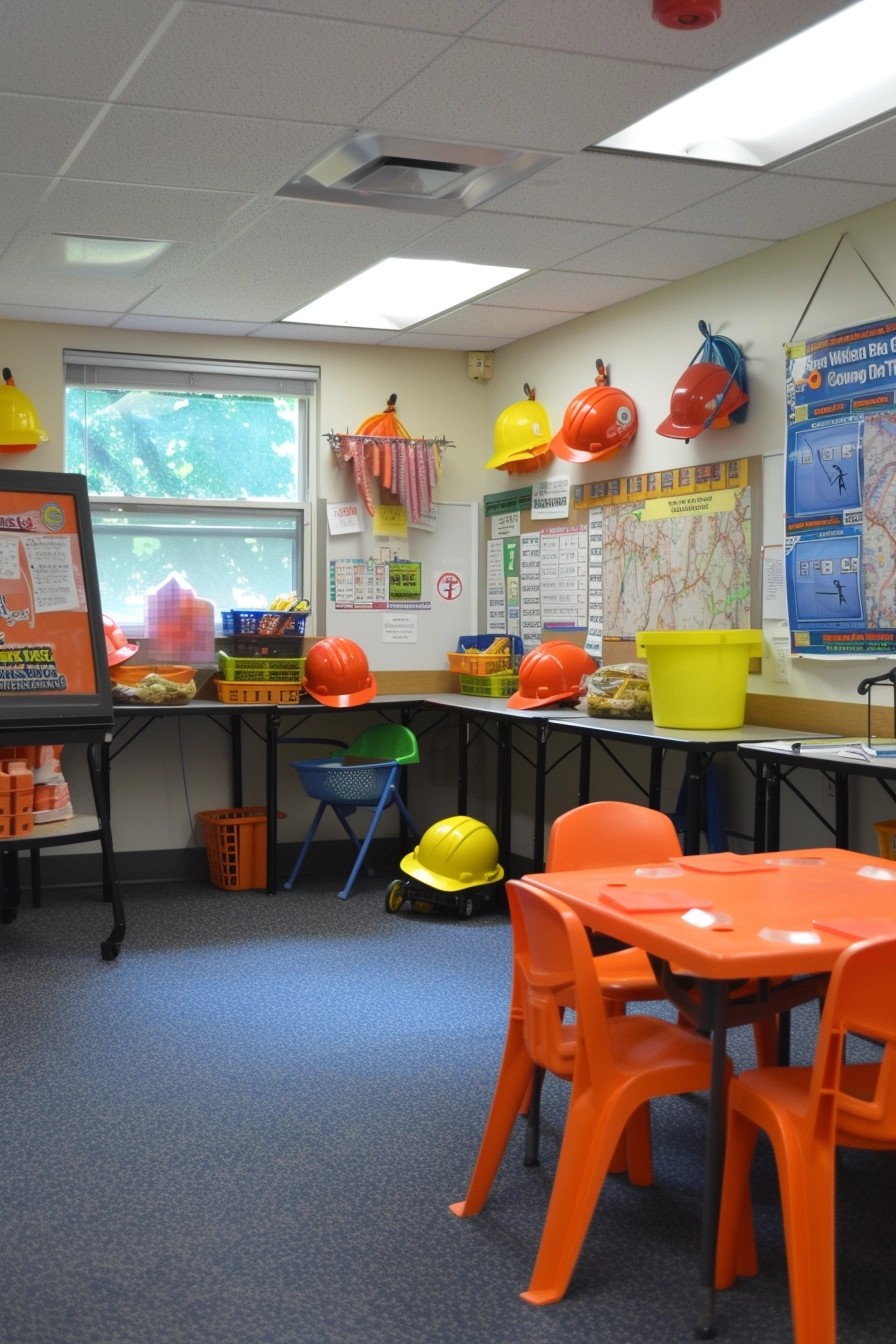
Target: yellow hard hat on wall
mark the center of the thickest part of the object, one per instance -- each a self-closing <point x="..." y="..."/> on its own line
<point x="522" y="431"/>
<point x="20" y="429"/>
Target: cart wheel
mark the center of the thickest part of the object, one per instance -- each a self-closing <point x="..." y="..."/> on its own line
<point x="466" y="905"/>
<point x="395" y="897"/>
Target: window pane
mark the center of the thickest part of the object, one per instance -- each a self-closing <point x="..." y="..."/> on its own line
<point x="232" y="557"/>
<point x="186" y="445"/>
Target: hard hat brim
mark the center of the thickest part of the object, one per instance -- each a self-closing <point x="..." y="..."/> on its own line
<point x="414" y="868"/>
<point x="670" y="430"/>
<point x="121" y="654"/>
<point x="347" y="698"/>
<point x="520" y="701"/>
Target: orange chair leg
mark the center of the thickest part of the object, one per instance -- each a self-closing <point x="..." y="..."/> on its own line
<point x="807" y="1199"/>
<point x="588" y="1145"/>
<point x="514" y="1078"/>
<point x="736" y="1244"/>
<point x="765" y="1038"/>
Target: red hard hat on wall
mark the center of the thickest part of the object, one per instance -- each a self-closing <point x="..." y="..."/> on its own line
<point x="711" y="392"/>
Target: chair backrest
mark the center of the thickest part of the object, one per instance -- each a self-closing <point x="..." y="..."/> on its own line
<point x="603" y="834"/>
<point x="861" y="999"/>
<point x="551" y="951"/>
<point x="386" y="742"/>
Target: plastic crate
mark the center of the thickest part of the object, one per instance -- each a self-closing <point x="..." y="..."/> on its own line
<point x="263" y="646"/>
<point x="261" y="669"/>
<point x="471" y="657"/>
<point x="499" y="685"/>
<point x="236" y="841"/>
<point x="258" y="692"/>
<point x="236" y="622"/>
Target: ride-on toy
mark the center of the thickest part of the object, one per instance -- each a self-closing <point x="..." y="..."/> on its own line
<point x="455" y="867"/>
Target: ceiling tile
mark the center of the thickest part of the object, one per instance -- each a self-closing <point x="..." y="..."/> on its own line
<point x="774" y="205"/>
<point x="79" y="49"/>
<point x="867" y="156"/>
<point x="570" y="290"/>
<point x="484" y="321"/>
<point x="663" y="254"/>
<point x="243" y="154"/>
<point x="38" y="134"/>
<point x="508" y="240"/>
<point x="569" y="100"/>
<point x="433" y="16"/>
<point x="218" y="58"/>
<point x="293" y="254"/>
<point x="622" y="28"/>
<point x="614" y="188"/>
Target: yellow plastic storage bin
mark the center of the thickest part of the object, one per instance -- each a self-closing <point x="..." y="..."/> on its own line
<point x="698" y="678"/>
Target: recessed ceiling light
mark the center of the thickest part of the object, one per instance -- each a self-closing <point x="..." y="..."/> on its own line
<point x="836" y="76"/>
<point x="83" y="254"/>
<point x="398" y="293"/>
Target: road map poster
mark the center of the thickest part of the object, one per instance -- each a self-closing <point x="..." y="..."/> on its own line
<point x="840" y="492"/>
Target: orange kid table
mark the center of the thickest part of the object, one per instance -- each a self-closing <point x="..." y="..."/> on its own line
<point x="775" y="916"/>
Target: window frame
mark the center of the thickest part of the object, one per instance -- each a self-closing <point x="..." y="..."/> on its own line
<point x="120" y="370"/>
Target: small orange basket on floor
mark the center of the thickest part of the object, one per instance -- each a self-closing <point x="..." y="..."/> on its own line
<point x="236" y="841"/>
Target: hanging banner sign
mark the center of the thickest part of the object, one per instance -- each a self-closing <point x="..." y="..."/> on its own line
<point x="840" y="492"/>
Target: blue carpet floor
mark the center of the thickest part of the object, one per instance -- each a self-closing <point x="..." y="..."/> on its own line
<point x="248" y="1130"/>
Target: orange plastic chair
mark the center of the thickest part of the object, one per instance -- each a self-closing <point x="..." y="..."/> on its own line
<point x="602" y="834"/>
<point x="609" y="833"/>
<point x="806" y="1113"/>
<point x="615" y="1064"/>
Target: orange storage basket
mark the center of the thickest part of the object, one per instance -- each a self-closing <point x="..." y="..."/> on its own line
<point x="236" y="840"/>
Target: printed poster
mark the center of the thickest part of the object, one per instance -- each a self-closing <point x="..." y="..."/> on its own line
<point x="840" y="492"/>
<point x="45" y="631"/>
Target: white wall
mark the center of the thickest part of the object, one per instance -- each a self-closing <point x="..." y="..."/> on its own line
<point x="647" y="342"/>
<point x="756" y="301"/>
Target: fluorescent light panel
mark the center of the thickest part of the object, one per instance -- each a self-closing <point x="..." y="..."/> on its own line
<point x="816" y="86"/>
<point x="398" y="293"/>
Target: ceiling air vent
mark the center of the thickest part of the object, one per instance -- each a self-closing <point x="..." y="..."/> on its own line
<point x="416" y="175"/>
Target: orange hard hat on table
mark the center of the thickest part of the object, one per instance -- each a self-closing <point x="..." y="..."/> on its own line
<point x="118" y="649"/>
<point x="555" y="670"/>
<point x="337" y="674"/>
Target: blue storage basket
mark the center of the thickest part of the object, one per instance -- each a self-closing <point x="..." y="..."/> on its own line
<point x="331" y="781"/>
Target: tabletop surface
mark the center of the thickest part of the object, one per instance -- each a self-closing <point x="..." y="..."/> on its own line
<point x="645" y="730"/>
<point x="777" y="905"/>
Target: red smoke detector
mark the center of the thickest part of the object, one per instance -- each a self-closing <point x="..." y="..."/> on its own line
<point x="686" y="15"/>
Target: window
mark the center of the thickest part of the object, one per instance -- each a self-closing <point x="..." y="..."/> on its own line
<point x="194" y="467"/>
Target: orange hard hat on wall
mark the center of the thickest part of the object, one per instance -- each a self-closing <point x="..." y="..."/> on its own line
<point x="598" y="422"/>
<point x="555" y="670"/>
<point x="337" y="674"/>
<point x="118" y="650"/>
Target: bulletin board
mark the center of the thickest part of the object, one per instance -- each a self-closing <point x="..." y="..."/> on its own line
<point x="675" y="549"/>
<point x="407" y="606"/>
<point x="53" y="667"/>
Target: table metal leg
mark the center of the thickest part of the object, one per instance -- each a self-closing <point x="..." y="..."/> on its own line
<point x="272" y="725"/>
<point x="695" y="766"/>
<point x="841" y="810"/>
<point x="715" y="994"/>
<point x="96" y="763"/>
